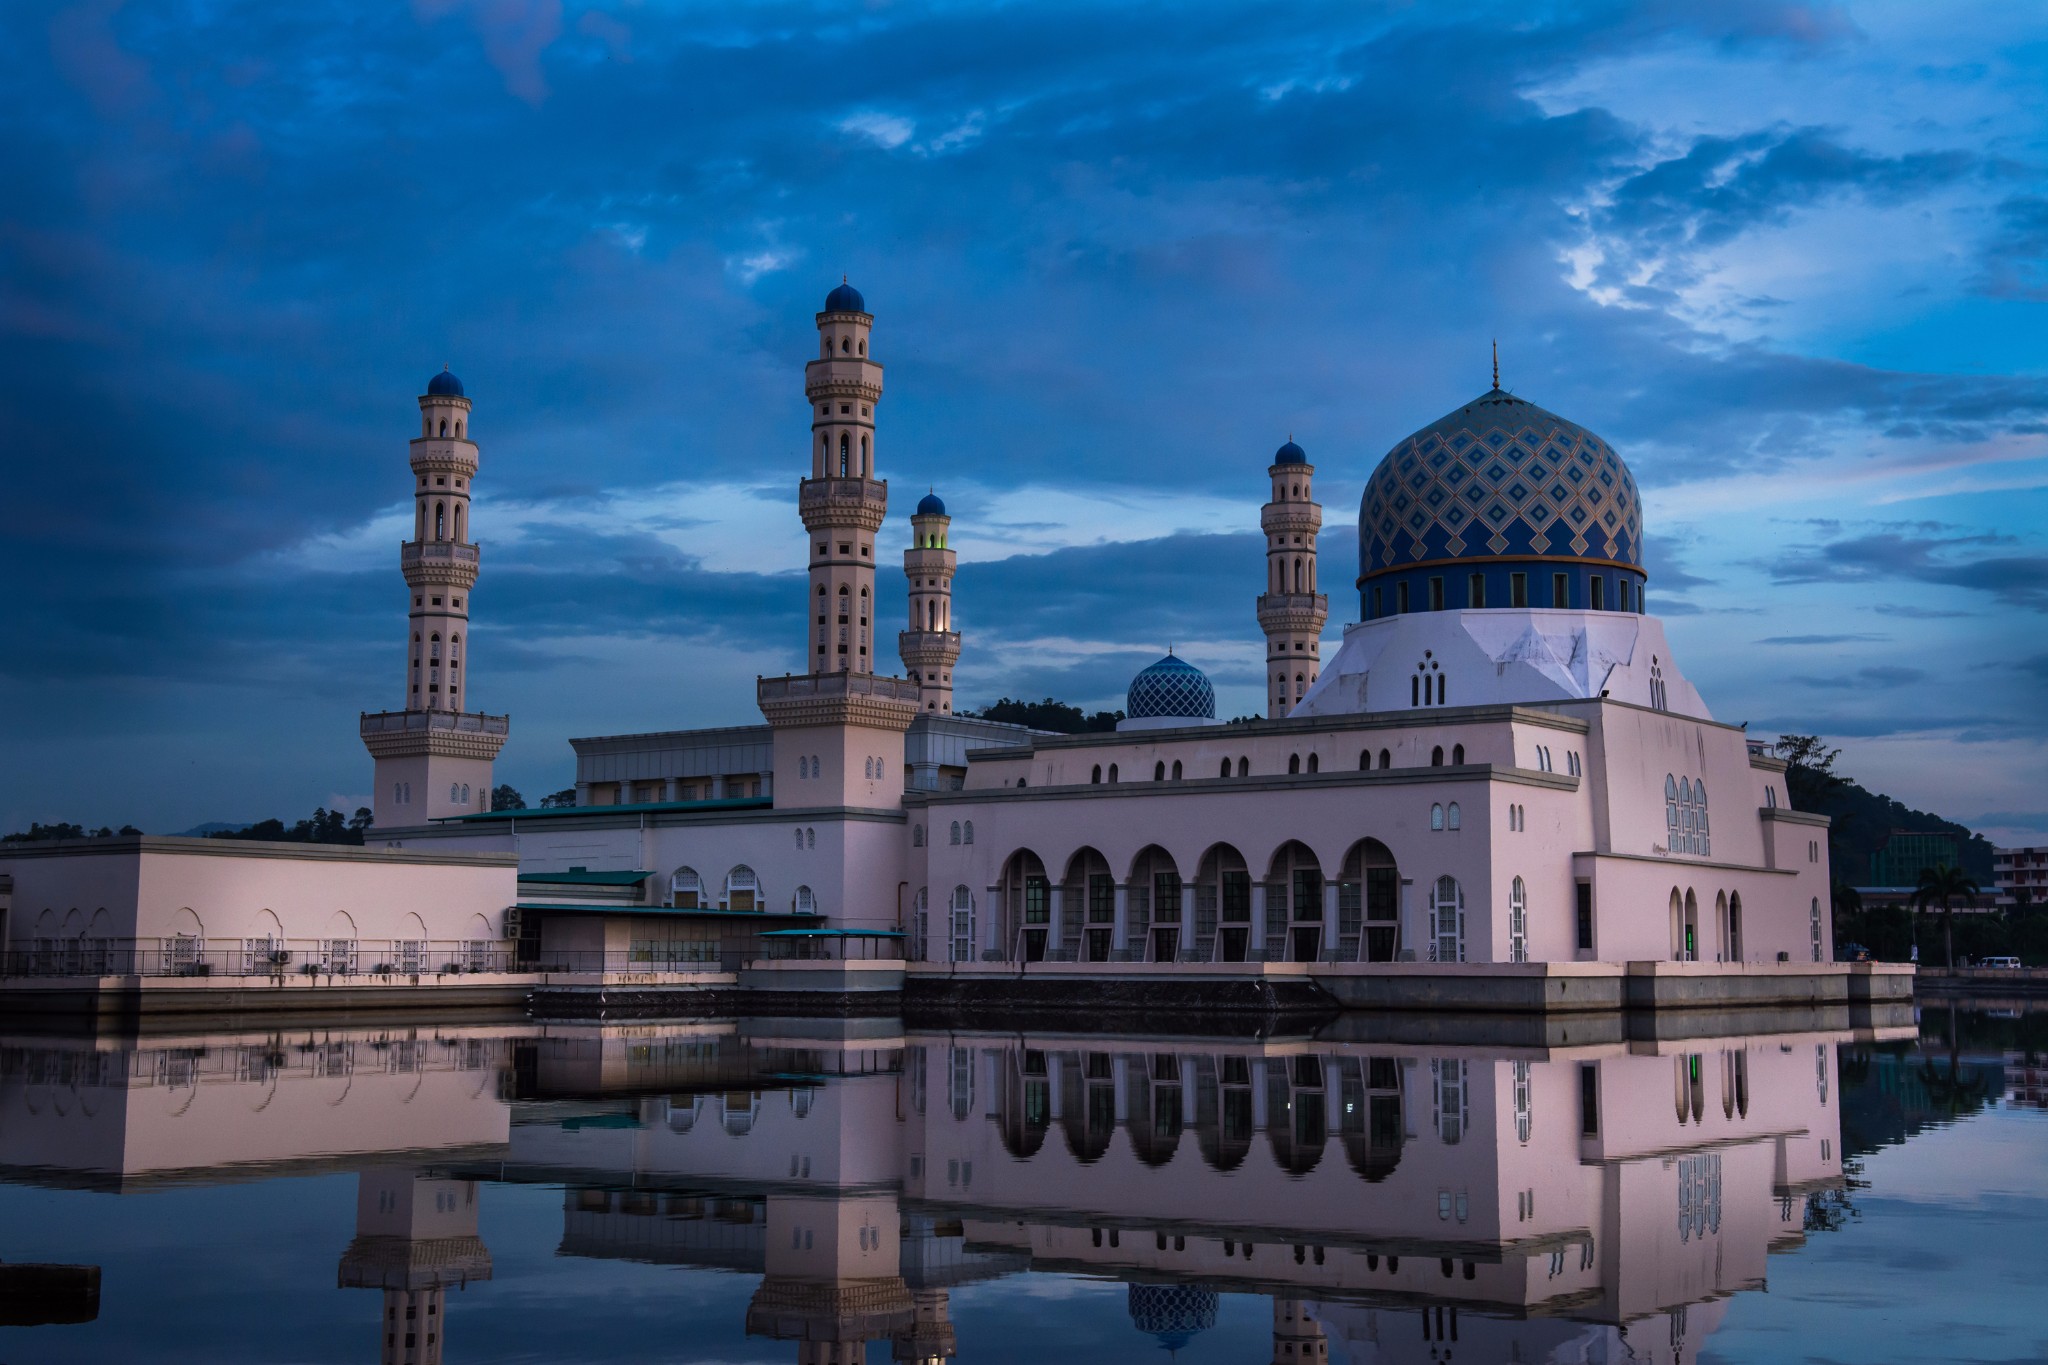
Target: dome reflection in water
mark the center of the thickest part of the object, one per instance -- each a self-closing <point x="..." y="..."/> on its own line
<point x="1369" y="1200"/>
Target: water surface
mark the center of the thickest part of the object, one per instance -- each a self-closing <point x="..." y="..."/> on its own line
<point x="790" y="1190"/>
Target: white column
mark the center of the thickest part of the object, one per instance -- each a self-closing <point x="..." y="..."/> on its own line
<point x="1187" y="1091"/>
<point x="1258" y="1069"/>
<point x="1257" y="939"/>
<point x="1187" y="917"/>
<point x="1055" y="906"/>
<point x="1120" y="1084"/>
<point x="1120" y="927"/>
<point x="1052" y="1085"/>
<point x="1329" y="917"/>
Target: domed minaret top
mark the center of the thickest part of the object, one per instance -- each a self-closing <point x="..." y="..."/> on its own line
<point x="1291" y="612"/>
<point x="931" y="647"/>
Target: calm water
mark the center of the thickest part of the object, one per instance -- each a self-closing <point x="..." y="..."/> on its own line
<point x="820" y="1191"/>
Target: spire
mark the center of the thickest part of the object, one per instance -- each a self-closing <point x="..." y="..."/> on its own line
<point x="1496" y="363"/>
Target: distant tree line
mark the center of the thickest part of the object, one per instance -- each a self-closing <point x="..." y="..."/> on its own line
<point x="1049" y="714"/>
<point x="38" y="832"/>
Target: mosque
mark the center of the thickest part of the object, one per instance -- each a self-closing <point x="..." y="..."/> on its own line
<point x="1502" y="761"/>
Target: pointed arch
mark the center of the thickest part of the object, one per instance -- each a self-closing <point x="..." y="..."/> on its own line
<point x="1369" y="904"/>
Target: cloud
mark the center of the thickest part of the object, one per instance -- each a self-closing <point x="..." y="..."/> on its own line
<point x="1874" y="676"/>
<point x="1954" y="560"/>
<point x="1821" y="639"/>
<point x="887" y="131"/>
<point x="2015" y="258"/>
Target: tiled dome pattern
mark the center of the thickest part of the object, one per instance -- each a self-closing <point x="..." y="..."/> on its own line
<point x="1172" y="1313"/>
<point x="1500" y="477"/>
<point x="1171" y="687"/>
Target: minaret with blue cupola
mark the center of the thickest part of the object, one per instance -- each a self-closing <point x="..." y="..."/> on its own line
<point x="1291" y="612"/>
<point x="930" y="647"/>
<point x="839" y="723"/>
<point x="434" y="756"/>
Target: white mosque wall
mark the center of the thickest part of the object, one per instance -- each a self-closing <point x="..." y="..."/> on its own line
<point x="1501" y="655"/>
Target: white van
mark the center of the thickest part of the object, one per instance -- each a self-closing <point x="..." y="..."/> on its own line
<point x="2001" y="962"/>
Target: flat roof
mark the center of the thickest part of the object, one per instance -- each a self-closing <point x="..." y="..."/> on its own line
<point x="670" y="910"/>
<point x="560" y="812"/>
<point x="577" y="876"/>
<point x="833" y="933"/>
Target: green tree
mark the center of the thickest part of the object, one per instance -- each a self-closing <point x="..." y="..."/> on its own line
<point x="505" y="796"/>
<point x="1056" y="716"/>
<point x="1810" y="776"/>
<point x="1942" y="885"/>
<point x="565" y="799"/>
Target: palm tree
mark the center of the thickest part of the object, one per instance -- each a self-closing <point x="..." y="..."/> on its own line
<point x="1941" y="885"/>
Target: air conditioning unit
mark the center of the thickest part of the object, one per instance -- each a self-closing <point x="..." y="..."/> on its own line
<point x="513" y="921"/>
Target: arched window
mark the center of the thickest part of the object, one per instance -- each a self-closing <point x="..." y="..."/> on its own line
<point x="1447" y="921"/>
<point x="1436" y="815"/>
<point x="686" y="889"/>
<point x="931" y="616"/>
<point x="1159" y="771"/>
<point x="1294" y="763"/>
<point x="845" y="460"/>
<point x="1112" y="772"/>
<point x="440" y="521"/>
<point x="803" y="767"/>
<point x="1244" y="767"/>
<point x="1297" y="576"/>
<point x="1096" y="775"/>
<point x="868" y="769"/>
<point x="444" y="426"/>
<point x="810" y="838"/>
<point x="1452" y="819"/>
<point x="1386" y="759"/>
<point x="863" y="457"/>
<point x="969" y="838"/>
<point x="1315" y="763"/>
<point x="1226" y="769"/>
<point x="742" y="889"/>
<point x="1458" y="754"/>
<point x="1518" y="930"/>
<point x="1176" y="770"/>
<point x="954" y="836"/>
<point x="1440" y="680"/>
<point x="1436" y="757"/>
<point x="806" y="903"/>
<point x="1813" y="925"/>
<point x="799" y="841"/>
<point x="960" y="935"/>
<point x="845" y="344"/>
<point x="1364" y="760"/>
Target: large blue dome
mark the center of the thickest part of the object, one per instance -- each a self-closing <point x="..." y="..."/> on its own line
<point x="1503" y="492"/>
<point x="1171" y="688"/>
<point x="845" y="299"/>
<point x="444" y="385"/>
<point x="930" y="506"/>
<point x="1172" y="1313"/>
<point x="1290" y="454"/>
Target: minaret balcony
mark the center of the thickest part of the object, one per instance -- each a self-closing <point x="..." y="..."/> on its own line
<point x="844" y="502"/>
<point x="929" y="643"/>
<point x="438" y="552"/>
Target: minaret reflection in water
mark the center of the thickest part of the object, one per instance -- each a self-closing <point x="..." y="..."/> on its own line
<point x="1393" y="1203"/>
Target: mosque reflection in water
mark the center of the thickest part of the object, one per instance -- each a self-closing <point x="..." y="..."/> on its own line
<point x="1393" y="1203"/>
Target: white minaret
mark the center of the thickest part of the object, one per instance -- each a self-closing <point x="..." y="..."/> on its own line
<point x="434" y="756"/>
<point x="1291" y="611"/>
<point x="843" y="503"/>
<point x="931" y="646"/>
<point x="839" y="725"/>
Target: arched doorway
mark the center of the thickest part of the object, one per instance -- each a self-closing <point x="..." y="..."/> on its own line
<point x="1223" y="896"/>
<point x="1155" y="906"/>
<point x="1087" y="1104"/>
<point x="1691" y="942"/>
<point x="1372" y="1124"/>
<point x="1735" y="926"/>
<point x="1087" y="906"/>
<point x="1025" y="894"/>
<point x="1224" y="1113"/>
<point x="1297" y="1112"/>
<point x="1369" y="904"/>
<point x="1024" y="1109"/>
<point x="1155" y="1122"/>
<point x="1294" y="904"/>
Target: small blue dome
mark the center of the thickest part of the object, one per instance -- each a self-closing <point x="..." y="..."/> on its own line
<point x="1172" y="1314"/>
<point x="1172" y="687"/>
<point x="444" y="385"/>
<point x="845" y="299"/>
<point x="1290" y="454"/>
<point x="930" y="506"/>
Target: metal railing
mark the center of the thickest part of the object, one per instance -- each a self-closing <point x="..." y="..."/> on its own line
<point x="454" y="551"/>
<point x="395" y="722"/>
<point x="273" y="958"/>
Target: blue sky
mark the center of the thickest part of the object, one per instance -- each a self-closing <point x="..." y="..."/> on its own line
<point x="1791" y="260"/>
